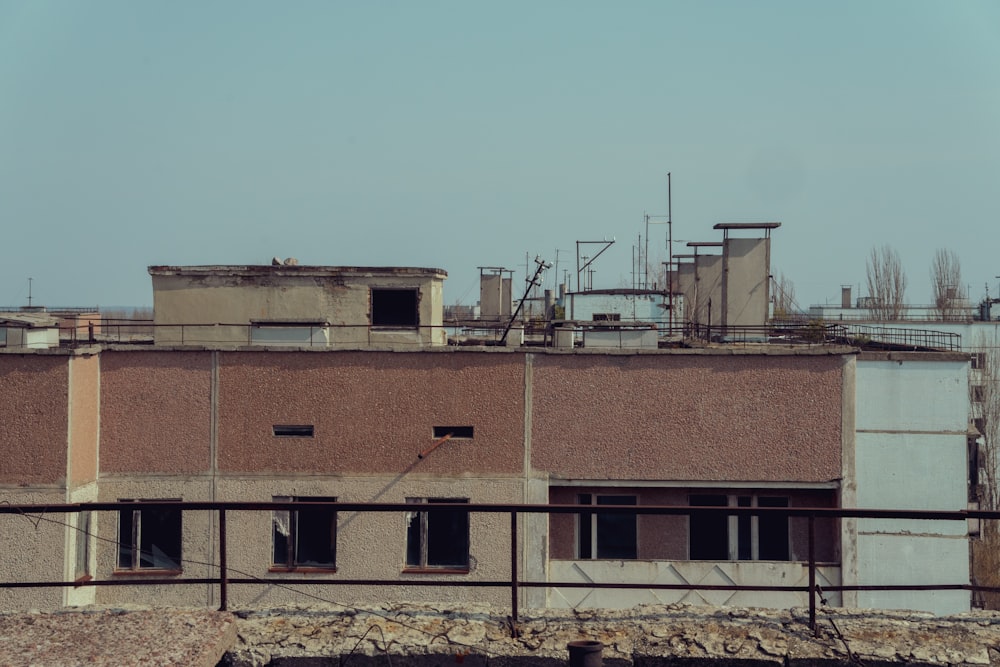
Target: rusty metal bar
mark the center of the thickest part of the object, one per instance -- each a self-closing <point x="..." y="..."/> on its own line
<point x="513" y="574"/>
<point x="812" y="574"/>
<point x="223" y="569"/>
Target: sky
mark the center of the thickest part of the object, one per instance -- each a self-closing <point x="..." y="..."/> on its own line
<point x="463" y="134"/>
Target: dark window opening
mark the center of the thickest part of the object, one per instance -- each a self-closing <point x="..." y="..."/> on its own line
<point x="149" y="539"/>
<point x="606" y="535"/>
<point x="717" y="536"/>
<point x="709" y="532"/>
<point x="606" y="317"/>
<point x="293" y="430"/>
<point x="454" y="431"/>
<point x="437" y="538"/>
<point x="306" y="537"/>
<point x="772" y="530"/>
<point x="395" y="307"/>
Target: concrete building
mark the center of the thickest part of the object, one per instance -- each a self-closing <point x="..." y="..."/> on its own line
<point x="711" y="426"/>
<point x="291" y="305"/>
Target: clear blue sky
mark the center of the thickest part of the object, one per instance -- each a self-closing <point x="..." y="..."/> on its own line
<point x="461" y="134"/>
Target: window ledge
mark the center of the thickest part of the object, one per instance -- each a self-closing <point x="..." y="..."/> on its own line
<point x="147" y="572"/>
<point x="303" y="570"/>
<point x="435" y="570"/>
<point x="82" y="579"/>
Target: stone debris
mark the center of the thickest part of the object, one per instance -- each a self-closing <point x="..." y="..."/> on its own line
<point x="480" y="636"/>
<point x="116" y="637"/>
<point x="646" y="636"/>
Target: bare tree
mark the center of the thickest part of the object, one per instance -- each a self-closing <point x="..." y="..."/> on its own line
<point x="946" y="279"/>
<point x="784" y="297"/>
<point x="886" y="284"/>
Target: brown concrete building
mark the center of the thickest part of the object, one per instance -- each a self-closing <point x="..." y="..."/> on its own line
<point x="232" y="420"/>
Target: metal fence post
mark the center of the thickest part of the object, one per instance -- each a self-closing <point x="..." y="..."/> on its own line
<point x="223" y="573"/>
<point x="513" y="573"/>
<point x="812" y="572"/>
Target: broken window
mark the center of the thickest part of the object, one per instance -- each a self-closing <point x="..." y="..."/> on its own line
<point x="82" y="562"/>
<point x="453" y="431"/>
<point x="606" y="535"/>
<point x="395" y="307"/>
<point x="149" y="539"/>
<point x="305" y="537"/>
<point x="437" y="538"/>
<point x="717" y="536"/>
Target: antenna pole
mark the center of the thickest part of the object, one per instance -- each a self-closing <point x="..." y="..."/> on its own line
<point x="29" y="292"/>
<point x="670" y="255"/>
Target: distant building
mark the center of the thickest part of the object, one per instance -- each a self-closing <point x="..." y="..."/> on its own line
<point x="292" y="305"/>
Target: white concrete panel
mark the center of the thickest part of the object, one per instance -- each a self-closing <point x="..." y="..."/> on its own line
<point x="911" y="471"/>
<point x="912" y="395"/>
<point x="913" y="560"/>
<point x="724" y="573"/>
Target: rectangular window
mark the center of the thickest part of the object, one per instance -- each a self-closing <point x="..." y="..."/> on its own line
<point x="607" y="317"/>
<point x="293" y="430"/>
<point x="453" y="431"/>
<point x="149" y="539"/>
<point x="395" y="307"/>
<point x="307" y="333"/>
<point x="82" y="562"/>
<point x="717" y="536"/>
<point x="606" y="535"/>
<point x="305" y="538"/>
<point x="437" y="538"/>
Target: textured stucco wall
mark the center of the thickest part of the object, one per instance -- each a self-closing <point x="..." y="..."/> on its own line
<point x="33" y="418"/>
<point x="373" y="412"/>
<point x="32" y="549"/>
<point x="155" y="412"/>
<point x="687" y="417"/>
<point x="83" y="420"/>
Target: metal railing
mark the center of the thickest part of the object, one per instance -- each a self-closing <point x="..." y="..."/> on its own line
<point x="515" y="583"/>
<point x="540" y="334"/>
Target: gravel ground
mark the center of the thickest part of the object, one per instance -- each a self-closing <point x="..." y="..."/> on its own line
<point x="116" y="637"/>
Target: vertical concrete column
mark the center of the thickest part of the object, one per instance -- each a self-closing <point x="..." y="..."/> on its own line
<point x="848" y="481"/>
<point x="535" y="527"/>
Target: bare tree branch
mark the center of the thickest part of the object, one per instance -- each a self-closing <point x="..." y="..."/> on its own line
<point x="946" y="280"/>
<point x="886" y="284"/>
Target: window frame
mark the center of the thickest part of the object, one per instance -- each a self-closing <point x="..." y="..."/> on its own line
<point x="743" y="532"/>
<point x="588" y="525"/>
<point x="81" y="556"/>
<point x="136" y="538"/>
<point x="292" y="539"/>
<point x="424" y="530"/>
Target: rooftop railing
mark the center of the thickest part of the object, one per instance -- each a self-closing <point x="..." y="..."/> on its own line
<point x="225" y="578"/>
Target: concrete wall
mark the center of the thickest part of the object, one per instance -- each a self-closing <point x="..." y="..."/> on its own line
<point x="687" y="417"/>
<point x="84" y="399"/>
<point x="912" y="415"/>
<point x="34" y="414"/>
<point x="706" y="293"/>
<point x="155" y="412"/>
<point x="641" y="307"/>
<point x="372" y="412"/>
<point x="746" y="267"/>
<point x="198" y="425"/>
<point x="212" y="296"/>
